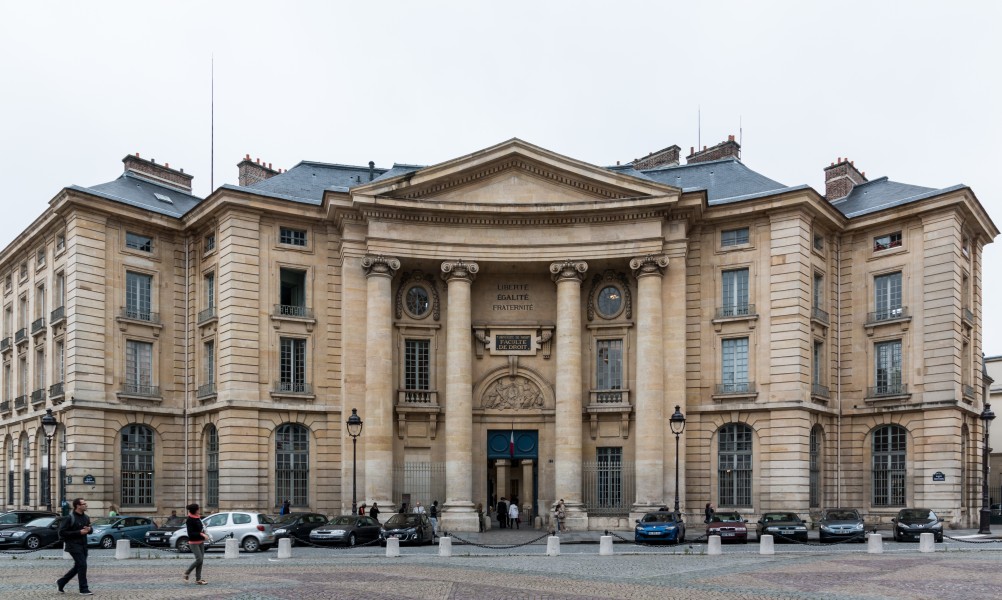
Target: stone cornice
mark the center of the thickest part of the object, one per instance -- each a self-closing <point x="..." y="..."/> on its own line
<point x="546" y="215"/>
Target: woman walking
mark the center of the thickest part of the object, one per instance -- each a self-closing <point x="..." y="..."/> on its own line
<point x="513" y="515"/>
<point x="196" y="537"/>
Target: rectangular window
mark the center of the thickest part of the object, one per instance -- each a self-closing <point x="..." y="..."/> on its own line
<point x="734" y="237"/>
<point x="292" y="237"/>
<point x="819" y="290"/>
<point x="22" y="312"/>
<point x="609" y="365"/>
<point x="210" y="242"/>
<point x="734" y="292"/>
<point x="417" y="366"/>
<point x="139" y="367"/>
<point x="734" y="365"/>
<point x="59" y="290"/>
<point x="610" y="477"/>
<point x="44" y="481"/>
<point x="40" y="302"/>
<point x="212" y="470"/>
<point x="40" y="258"/>
<point x="24" y="270"/>
<point x="209" y="355"/>
<point x="210" y="290"/>
<point x="883" y="242"/>
<point x="60" y="243"/>
<point x="889" y="469"/>
<point x="59" y="362"/>
<point x="138" y="296"/>
<point x="887" y="358"/>
<point x="293" y="365"/>
<point x="887" y="296"/>
<point x="818" y="358"/>
<point x="292" y="293"/>
<point x="143" y="243"/>
<point x="22" y="376"/>
<point x="819" y="242"/>
<point x="39" y="369"/>
<point x="8" y="321"/>
<point x="734" y="465"/>
<point x="8" y="381"/>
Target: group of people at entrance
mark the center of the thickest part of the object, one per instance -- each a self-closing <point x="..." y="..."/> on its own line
<point x="508" y="515"/>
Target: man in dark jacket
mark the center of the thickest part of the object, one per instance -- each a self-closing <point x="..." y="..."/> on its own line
<point x="73" y="531"/>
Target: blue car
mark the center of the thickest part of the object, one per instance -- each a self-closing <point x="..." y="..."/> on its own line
<point x="108" y="530"/>
<point x="660" y="526"/>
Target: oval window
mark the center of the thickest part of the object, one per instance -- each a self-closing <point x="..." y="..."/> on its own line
<point x="417" y="301"/>
<point x="610" y="301"/>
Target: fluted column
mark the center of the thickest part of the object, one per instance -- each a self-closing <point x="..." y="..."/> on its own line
<point x="569" y="424"/>
<point x="458" y="514"/>
<point x="651" y="427"/>
<point x="378" y="410"/>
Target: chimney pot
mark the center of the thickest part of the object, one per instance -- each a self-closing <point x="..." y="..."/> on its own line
<point x="692" y="150"/>
<point x="167" y="164"/>
<point x="246" y="156"/>
<point x="704" y="147"/>
<point x="730" y="138"/>
<point x="269" y="165"/>
<point x="137" y="155"/>
<point x="257" y="160"/>
<point x="153" y="160"/>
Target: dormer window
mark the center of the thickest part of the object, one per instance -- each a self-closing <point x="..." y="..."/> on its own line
<point x="135" y="241"/>
<point x="884" y="242"/>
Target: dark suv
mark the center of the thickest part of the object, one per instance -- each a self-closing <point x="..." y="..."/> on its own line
<point x="15" y="518"/>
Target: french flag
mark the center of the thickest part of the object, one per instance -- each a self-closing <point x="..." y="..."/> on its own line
<point x="511" y="443"/>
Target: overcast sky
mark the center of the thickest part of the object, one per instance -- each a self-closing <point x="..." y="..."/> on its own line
<point x="910" y="90"/>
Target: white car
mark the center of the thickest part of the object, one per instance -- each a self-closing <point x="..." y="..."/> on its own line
<point x="252" y="529"/>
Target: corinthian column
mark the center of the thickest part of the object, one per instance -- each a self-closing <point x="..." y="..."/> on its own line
<point x="568" y="276"/>
<point x="649" y="399"/>
<point x="378" y="409"/>
<point x="458" y="514"/>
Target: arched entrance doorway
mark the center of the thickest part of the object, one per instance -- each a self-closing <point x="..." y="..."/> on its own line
<point x="513" y="469"/>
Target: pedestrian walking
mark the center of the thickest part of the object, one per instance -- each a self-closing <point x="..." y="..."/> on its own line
<point x="559" y="514"/>
<point x="708" y="512"/>
<point x="513" y="515"/>
<point x="112" y="510"/>
<point x="433" y="515"/>
<point x="480" y="516"/>
<point x="502" y="513"/>
<point x="418" y="509"/>
<point x="73" y="531"/>
<point x="374" y="512"/>
<point x="361" y="510"/>
<point x="285" y="507"/>
<point x="196" y="542"/>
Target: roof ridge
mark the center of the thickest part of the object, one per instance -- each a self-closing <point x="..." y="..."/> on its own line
<point x="336" y="165"/>
<point x="133" y="174"/>
<point x="697" y="164"/>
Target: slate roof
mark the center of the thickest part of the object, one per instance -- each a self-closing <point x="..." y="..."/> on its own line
<point x="883" y="193"/>
<point x="307" y="181"/>
<point x="135" y="190"/>
<point x="725" y="180"/>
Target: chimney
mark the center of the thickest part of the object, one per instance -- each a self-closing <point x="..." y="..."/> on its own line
<point x="372" y="170"/>
<point x="668" y="156"/>
<point x="721" y="150"/>
<point x="252" y="172"/>
<point x="840" y="179"/>
<point x="163" y="174"/>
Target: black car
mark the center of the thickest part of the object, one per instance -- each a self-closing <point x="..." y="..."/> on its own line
<point x="160" y="536"/>
<point x="409" y="529"/>
<point x="841" y="524"/>
<point x="296" y="526"/>
<point x="783" y="526"/>
<point x="40" y="533"/>
<point x="20" y="517"/>
<point x="346" y="529"/>
<point x="911" y="523"/>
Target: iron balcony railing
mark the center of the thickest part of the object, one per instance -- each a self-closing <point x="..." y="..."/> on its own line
<point x="206" y="389"/>
<point x="820" y="391"/>
<point x="138" y="389"/>
<point x="138" y="314"/>
<point x="294" y="311"/>
<point x="20" y="402"/>
<point x="5" y="344"/>
<point x="207" y="314"/>
<point x="56" y="390"/>
<point x="5" y="406"/>
<point x="37" y="325"/>
<point x="889" y="314"/>
<point x="38" y="397"/>
<point x="893" y="389"/>
<point x="608" y="487"/>
<point x="819" y="315"/>
<point x="21" y="335"/>
<point x="293" y="387"/>
<point x="736" y="310"/>
<point x="57" y="315"/>
<point x="740" y="387"/>
<point x="969" y="391"/>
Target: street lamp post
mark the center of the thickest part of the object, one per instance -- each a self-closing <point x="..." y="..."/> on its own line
<point x="49" y="424"/>
<point x="354" y="430"/>
<point x="986" y="512"/>
<point x="677" y="424"/>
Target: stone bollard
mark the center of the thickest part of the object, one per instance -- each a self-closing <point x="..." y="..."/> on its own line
<point x="713" y="546"/>
<point x="765" y="545"/>
<point x="285" y="548"/>
<point x="445" y="546"/>
<point x="605" y="545"/>
<point x="927" y="542"/>
<point x="122" y="548"/>
<point x="392" y="547"/>
<point x="874" y="544"/>
<point x="553" y="546"/>
<point x="232" y="548"/>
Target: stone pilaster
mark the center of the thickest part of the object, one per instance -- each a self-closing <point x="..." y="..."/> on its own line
<point x="379" y="271"/>
<point x="649" y="404"/>
<point x="458" y="513"/>
<point x="568" y="276"/>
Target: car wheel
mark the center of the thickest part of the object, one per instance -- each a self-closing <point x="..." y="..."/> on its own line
<point x="182" y="545"/>
<point x="250" y="544"/>
<point x="33" y="542"/>
<point x="352" y="540"/>
<point x="107" y="542"/>
<point x="939" y="539"/>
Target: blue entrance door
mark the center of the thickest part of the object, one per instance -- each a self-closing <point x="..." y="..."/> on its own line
<point x="515" y="446"/>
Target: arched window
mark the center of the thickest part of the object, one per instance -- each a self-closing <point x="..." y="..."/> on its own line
<point x="10" y="471"/>
<point x="292" y="458"/>
<point x="62" y="464"/>
<point x="965" y="492"/>
<point x="44" y="473"/>
<point x="137" y="466"/>
<point x="25" y="471"/>
<point x="734" y="465"/>
<point x="211" y="466"/>
<point x="889" y="447"/>
<point x="815" y="466"/>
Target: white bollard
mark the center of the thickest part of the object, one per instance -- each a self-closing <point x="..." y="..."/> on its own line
<point x="122" y="548"/>
<point x="232" y="549"/>
<point x="392" y="547"/>
<point x="765" y="545"/>
<point x="874" y="544"/>
<point x="285" y="548"/>
<point x="713" y="546"/>
<point x="553" y="546"/>
<point x="605" y="545"/>
<point x="927" y="542"/>
<point x="445" y="546"/>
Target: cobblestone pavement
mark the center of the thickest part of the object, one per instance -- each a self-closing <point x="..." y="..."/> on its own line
<point x="802" y="572"/>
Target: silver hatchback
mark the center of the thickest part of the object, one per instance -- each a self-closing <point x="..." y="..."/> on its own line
<point x="253" y="530"/>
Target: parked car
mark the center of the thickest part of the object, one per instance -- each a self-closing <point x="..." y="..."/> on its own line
<point x="409" y="528"/>
<point x="659" y="526"/>
<point x="20" y="517"/>
<point x="32" y="535"/>
<point x="296" y="526"/>
<point x="841" y="524"/>
<point x="911" y="523"/>
<point x="252" y="529"/>
<point x="729" y="526"/>
<point x="160" y="536"/>
<point x="783" y="526"/>
<point x="347" y="529"/>
<point x="108" y="530"/>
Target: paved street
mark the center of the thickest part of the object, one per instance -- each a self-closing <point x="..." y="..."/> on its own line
<point x="955" y="570"/>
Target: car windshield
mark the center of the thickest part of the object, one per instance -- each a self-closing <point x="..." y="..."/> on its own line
<point x="174" y="522"/>
<point x="265" y="520"/>
<point x="342" y="521"/>
<point x="285" y="519"/>
<point x="842" y="515"/>
<point x="726" y="517"/>
<point x="103" y="521"/>
<point x="41" y="522"/>
<point x="917" y="514"/>
<point x="780" y="517"/>
<point x="399" y="520"/>
<point x="659" y="518"/>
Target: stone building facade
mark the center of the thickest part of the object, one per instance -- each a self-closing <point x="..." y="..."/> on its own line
<point x="512" y="323"/>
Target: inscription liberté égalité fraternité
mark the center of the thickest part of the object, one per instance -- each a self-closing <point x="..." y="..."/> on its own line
<point x="512" y="296"/>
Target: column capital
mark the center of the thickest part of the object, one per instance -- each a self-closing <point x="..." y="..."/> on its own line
<point x="652" y="264"/>
<point x="568" y="269"/>
<point x="460" y="269"/>
<point x="379" y="265"/>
